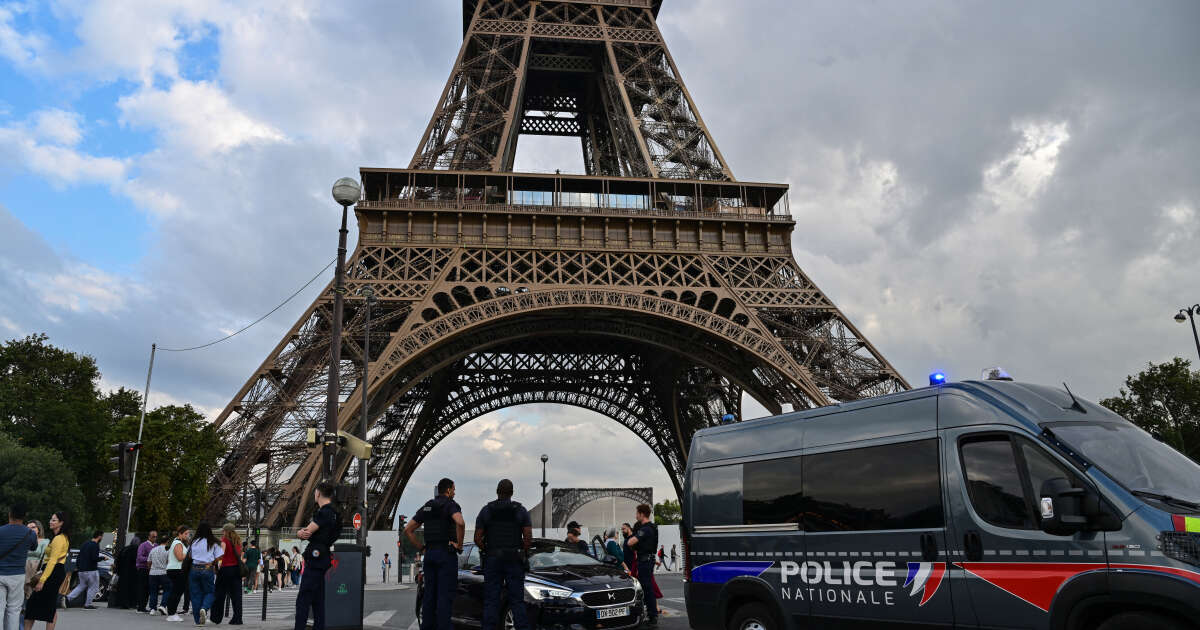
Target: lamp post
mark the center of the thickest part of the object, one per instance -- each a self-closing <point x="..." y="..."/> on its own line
<point x="545" y="458"/>
<point x="346" y="192"/>
<point x="369" y="298"/>
<point x="1190" y="313"/>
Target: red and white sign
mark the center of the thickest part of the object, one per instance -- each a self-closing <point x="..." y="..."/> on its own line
<point x="357" y="520"/>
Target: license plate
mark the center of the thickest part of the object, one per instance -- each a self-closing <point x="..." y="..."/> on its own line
<point x="612" y="613"/>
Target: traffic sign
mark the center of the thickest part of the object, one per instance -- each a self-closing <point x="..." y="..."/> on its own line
<point x="357" y="520"/>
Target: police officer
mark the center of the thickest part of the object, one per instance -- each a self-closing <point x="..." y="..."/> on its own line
<point x="320" y="534"/>
<point x="503" y="531"/>
<point x="645" y="540"/>
<point x="444" y="529"/>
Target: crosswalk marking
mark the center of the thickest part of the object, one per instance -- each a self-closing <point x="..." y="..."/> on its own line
<point x="378" y="618"/>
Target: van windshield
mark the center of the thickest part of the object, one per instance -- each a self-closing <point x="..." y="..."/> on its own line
<point x="1133" y="458"/>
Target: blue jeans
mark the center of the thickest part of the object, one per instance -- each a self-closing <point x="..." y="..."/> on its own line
<point x="202" y="583"/>
<point x="441" y="582"/>
<point x="511" y="575"/>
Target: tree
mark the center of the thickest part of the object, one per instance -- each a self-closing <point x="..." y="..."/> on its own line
<point x="667" y="513"/>
<point x="180" y="453"/>
<point x="49" y="398"/>
<point x="39" y="478"/>
<point x="1164" y="399"/>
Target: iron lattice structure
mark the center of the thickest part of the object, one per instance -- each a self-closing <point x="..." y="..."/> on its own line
<point x="654" y="289"/>
<point x="567" y="501"/>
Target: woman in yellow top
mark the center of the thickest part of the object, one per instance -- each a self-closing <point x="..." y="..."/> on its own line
<point x="42" y="604"/>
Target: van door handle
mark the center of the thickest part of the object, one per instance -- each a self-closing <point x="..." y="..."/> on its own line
<point x="929" y="550"/>
<point x="973" y="545"/>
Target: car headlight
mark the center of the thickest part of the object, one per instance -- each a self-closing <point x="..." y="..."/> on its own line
<point x="537" y="591"/>
<point x="637" y="587"/>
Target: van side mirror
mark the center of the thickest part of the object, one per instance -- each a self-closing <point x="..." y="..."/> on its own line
<point x="1066" y="509"/>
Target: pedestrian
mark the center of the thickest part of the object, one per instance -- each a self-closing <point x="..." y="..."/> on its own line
<point x="149" y="541"/>
<point x="674" y="559"/>
<point x="176" y="554"/>
<point x="125" y="566"/>
<point x="645" y="540"/>
<point x="87" y="565"/>
<point x="253" y="555"/>
<point x="662" y="557"/>
<point x="202" y="579"/>
<point x="503" y="532"/>
<point x="160" y="584"/>
<point x="613" y="548"/>
<point x="43" y="604"/>
<point x="318" y="556"/>
<point x="297" y="564"/>
<point x="285" y="568"/>
<point x="574" y="531"/>
<point x="444" y="529"/>
<point x="385" y="567"/>
<point x="16" y="543"/>
<point x="229" y="577"/>
<point x="33" y="561"/>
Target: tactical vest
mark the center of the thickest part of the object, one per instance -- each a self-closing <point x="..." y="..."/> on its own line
<point x="647" y="545"/>
<point x="503" y="532"/>
<point x="438" y="525"/>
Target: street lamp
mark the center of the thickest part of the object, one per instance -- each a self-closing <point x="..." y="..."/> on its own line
<point x="1190" y="313"/>
<point x="545" y="458"/>
<point x="369" y="298"/>
<point x="346" y="192"/>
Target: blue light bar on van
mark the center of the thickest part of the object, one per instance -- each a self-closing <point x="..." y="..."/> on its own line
<point x="937" y="378"/>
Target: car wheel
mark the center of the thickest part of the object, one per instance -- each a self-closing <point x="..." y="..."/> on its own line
<point x="1138" y="620"/>
<point x="754" y="616"/>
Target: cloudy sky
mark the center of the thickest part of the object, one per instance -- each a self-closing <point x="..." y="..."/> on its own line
<point x="974" y="183"/>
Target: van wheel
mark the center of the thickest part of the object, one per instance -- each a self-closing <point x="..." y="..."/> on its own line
<point x="1139" y="620"/>
<point x="754" y="616"/>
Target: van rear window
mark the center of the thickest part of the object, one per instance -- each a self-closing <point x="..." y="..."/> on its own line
<point x="894" y="486"/>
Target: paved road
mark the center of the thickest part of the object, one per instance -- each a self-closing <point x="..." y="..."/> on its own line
<point x="385" y="606"/>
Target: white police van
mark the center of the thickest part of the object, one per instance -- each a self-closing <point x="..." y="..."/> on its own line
<point x="986" y="504"/>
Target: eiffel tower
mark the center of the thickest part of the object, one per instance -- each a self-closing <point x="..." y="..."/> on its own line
<point x="654" y="289"/>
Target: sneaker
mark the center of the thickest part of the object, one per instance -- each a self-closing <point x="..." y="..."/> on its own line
<point x="203" y="617"/>
<point x="174" y="618"/>
<point x="89" y="608"/>
<point x="162" y="610"/>
<point x="154" y="611"/>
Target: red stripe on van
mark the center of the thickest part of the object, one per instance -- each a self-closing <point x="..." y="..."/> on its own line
<point x="1038" y="582"/>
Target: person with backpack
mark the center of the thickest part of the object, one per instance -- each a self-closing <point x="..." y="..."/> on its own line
<point x="16" y="542"/>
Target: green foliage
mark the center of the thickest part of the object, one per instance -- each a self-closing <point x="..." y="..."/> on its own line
<point x="180" y="452"/>
<point x="1164" y="399"/>
<point x="667" y="513"/>
<point x="39" y="478"/>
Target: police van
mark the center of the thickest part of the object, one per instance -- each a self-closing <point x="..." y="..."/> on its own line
<point x="987" y="504"/>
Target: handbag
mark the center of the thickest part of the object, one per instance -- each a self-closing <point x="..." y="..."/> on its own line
<point x="243" y="570"/>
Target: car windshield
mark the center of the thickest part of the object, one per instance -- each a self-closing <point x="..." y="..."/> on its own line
<point x="544" y="554"/>
<point x="1133" y="457"/>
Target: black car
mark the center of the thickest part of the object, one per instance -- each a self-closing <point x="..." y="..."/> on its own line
<point x="564" y="590"/>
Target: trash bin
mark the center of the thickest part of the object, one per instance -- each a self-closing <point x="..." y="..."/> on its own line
<point x="344" y="588"/>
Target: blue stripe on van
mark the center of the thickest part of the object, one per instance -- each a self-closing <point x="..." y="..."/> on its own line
<point x="722" y="572"/>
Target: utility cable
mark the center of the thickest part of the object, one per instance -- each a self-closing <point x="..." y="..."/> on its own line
<point x="269" y="313"/>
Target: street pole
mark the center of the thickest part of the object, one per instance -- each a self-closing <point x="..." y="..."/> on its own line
<point x="266" y="574"/>
<point x="369" y="296"/>
<point x="346" y="192"/>
<point x="127" y="499"/>
<point x="544" y="460"/>
<point x="1191" y="313"/>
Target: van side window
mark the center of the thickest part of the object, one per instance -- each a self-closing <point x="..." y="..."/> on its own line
<point x="718" y="495"/>
<point x="771" y="491"/>
<point x="1005" y="476"/>
<point x="894" y="486"/>
<point x="994" y="482"/>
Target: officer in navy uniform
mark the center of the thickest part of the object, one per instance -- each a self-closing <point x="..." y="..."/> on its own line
<point x="503" y="532"/>
<point x="645" y="540"/>
<point x="444" y="529"/>
<point x="318" y="555"/>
